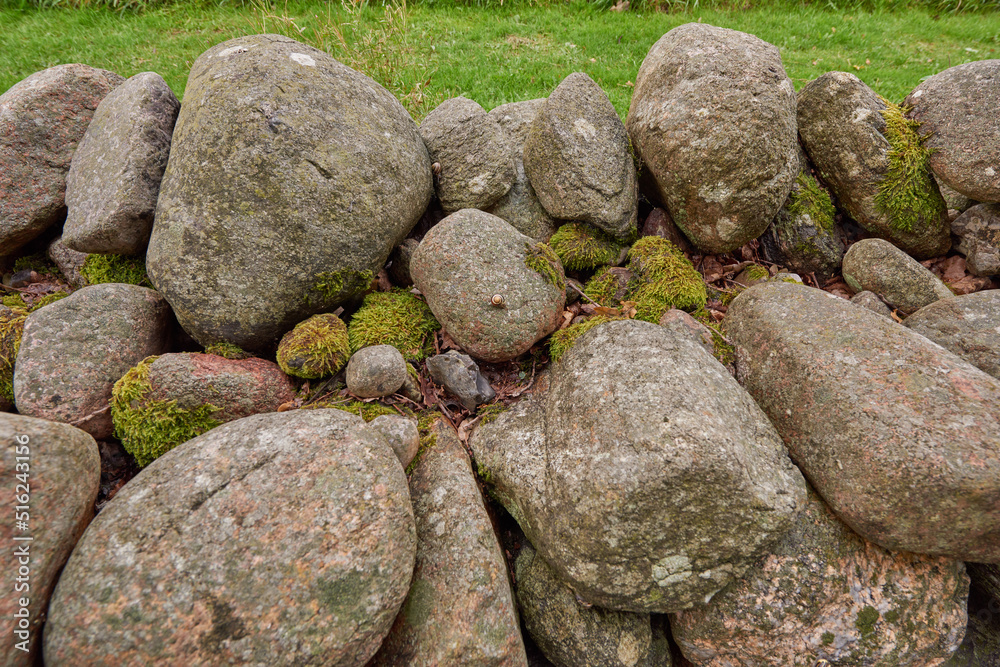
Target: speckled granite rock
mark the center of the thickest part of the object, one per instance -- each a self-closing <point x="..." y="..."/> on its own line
<point x="68" y="260"/>
<point x="726" y="93"/>
<point x="898" y="435"/>
<point x="402" y="435"/>
<point x="63" y="470"/>
<point x="872" y="302"/>
<point x="902" y="282"/>
<point x="967" y="325"/>
<point x="294" y="534"/>
<point x="460" y="609"/>
<point x="978" y="238"/>
<point x="469" y="257"/>
<point x="824" y="593"/>
<point x="375" y="371"/>
<point x="74" y="350"/>
<point x="577" y="158"/>
<point x="645" y="476"/>
<point x="43" y="119"/>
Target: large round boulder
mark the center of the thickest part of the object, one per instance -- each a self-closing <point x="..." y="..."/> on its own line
<point x="645" y="476"/>
<point x="291" y="178"/>
<point x="958" y="108"/>
<point x="713" y="120"/>
<point x="269" y="540"/>
<point x="899" y="436"/>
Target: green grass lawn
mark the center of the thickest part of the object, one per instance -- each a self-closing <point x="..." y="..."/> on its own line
<point x="499" y="54"/>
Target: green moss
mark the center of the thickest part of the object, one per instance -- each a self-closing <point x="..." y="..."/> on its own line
<point x="581" y="247"/>
<point x="602" y="288"/>
<point x="483" y="473"/>
<point x="756" y="272"/>
<point x="907" y="193"/>
<point x="98" y="269"/>
<point x="541" y="259"/>
<point x="425" y="425"/>
<point x="315" y="348"/>
<point x="663" y="279"/>
<point x="490" y="412"/>
<point x="150" y="428"/>
<point x="38" y="262"/>
<point x="336" y="286"/>
<point x="564" y="339"/>
<point x="11" y="329"/>
<point x="395" y="318"/>
<point x="891" y="616"/>
<point x="866" y="620"/>
<point x="827" y="638"/>
<point x="14" y="301"/>
<point x="367" y="411"/>
<point x="809" y="198"/>
<point x="47" y="299"/>
<point x="227" y="351"/>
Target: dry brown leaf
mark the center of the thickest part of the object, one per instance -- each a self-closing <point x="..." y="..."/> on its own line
<point x="567" y="319"/>
<point x="953" y="269"/>
<point x="970" y="284"/>
<point x="448" y="343"/>
<point x="628" y="309"/>
<point x="590" y="308"/>
<point x="712" y="268"/>
<point x="896" y="317"/>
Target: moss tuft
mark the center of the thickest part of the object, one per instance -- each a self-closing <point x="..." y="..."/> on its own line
<point x="756" y="272"/>
<point x="663" y="279"/>
<point x="809" y="198"/>
<point x="336" y="286"/>
<point x="564" y="339"/>
<point x="541" y="259"/>
<point x="98" y="269"/>
<point x="602" y="288"/>
<point x="11" y="329"/>
<point x="14" y="301"/>
<point x="907" y="194"/>
<point x="37" y="262"/>
<point x="581" y="247"/>
<point x="228" y="351"/>
<point x="395" y="318"/>
<point x="148" y="429"/>
<point x="425" y="424"/>
<point x="723" y="351"/>
<point x="866" y="620"/>
<point x="489" y="412"/>
<point x="315" y="348"/>
<point x="827" y="638"/>
<point x="367" y="411"/>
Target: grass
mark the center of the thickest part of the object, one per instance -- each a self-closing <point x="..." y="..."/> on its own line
<point x="428" y="52"/>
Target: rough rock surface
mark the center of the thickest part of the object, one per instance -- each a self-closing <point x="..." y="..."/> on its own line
<point x="460" y="609"/>
<point x="42" y="119"/>
<point x="476" y="160"/>
<point x="824" y="593"/>
<point x="872" y="302"/>
<point x="63" y="470"/>
<point x="967" y="325"/>
<point x="375" y="371"/>
<point x="645" y="476"/>
<point x="68" y="260"/>
<point x="878" y="266"/>
<point x="460" y="375"/>
<point x="402" y="435"/>
<point x="249" y="149"/>
<point x="520" y="207"/>
<point x="74" y="350"/>
<point x="577" y="158"/>
<point x="959" y="108"/>
<point x="978" y="238"/>
<point x="841" y="123"/>
<point x="726" y="93"/>
<point x="294" y="535"/>
<point x="898" y="435"/>
<point x="469" y="257"/>
<point x="569" y="634"/>
<point x="679" y="322"/>
<point x="114" y="178"/>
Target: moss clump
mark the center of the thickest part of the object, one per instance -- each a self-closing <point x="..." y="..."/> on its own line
<point x="490" y="412"/>
<point x="756" y="272"/>
<point x="723" y="351"/>
<point x="425" y="424"/>
<point x="98" y="269"/>
<point x="395" y="318"/>
<point x="809" y="198"/>
<point x="37" y="262"/>
<point x="228" y="351"/>
<point x="14" y="301"/>
<point x="315" y="348"/>
<point x="581" y="247"/>
<point x="564" y="339"/>
<point x="11" y="329"/>
<point x="340" y="285"/>
<point x="907" y="193"/>
<point x="827" y="638"/>
<point x="866" y="620"/>
<point x="367" y="411"/>
<point x="150" y="428"/>
<point x="663" y="278"/>
<point x="541" y="259"/>
<point x="602" y="288"/>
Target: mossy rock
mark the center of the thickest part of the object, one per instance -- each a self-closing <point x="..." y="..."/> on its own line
<point x="315" y="348"/>
<point x="581" y="247"/>
<point x="98" y="269"/>
<point x="396" y="318"/>
<point x="663" y="278"/>
<point x="11" y="329"/>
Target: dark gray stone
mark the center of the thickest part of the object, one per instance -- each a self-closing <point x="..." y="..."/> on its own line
<point x="978" y="238"/>
<point x="399" y="270"/>
<point x="375" y="371"/>
<point x="902" y="282"/>
<point x="967" y="325"/>
<point x="460" y="375"/>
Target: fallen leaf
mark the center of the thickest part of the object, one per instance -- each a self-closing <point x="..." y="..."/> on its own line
<point x="896" y="317"/>
<point x="567" y="318"/>
<point x="712" y="268"/>
<point x="628" y="309"/>
<point x="448" y="343"/>
<point x="953" y="269"/>
<point x="970" y="284"/>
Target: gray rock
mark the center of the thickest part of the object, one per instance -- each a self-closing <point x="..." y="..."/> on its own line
<point x="978" y="238"/>
<point x="460" y="375"/>
<point x="898" y="435"/>
<point x="298" y="209"/>
<point x="60" y="469"/>
<point x="848" y="139"/>
<point x="872" y="302"/>
<point x="376" y="371"/>
<point x="956" y="201"/>
<point x="902" y="282"/>
<point x="74" y="350"/>
<point x="294" y="534"/>
<point x="68" y="260"/>
<point x="577" y="159"/>
<point x="520" y="207"/>
<point x="43" y="118"/>
<point x="680" y="323"/>
<point x="469" y="257"/>
<point x="645" y="477"/>
<point x="114" y="178"/>
<point x="967" y="325"/>
<point x="402" y="435"/>
<point x="570" y="634"/>
<point x="958" y="107"/>
<point x="825" y="594"/>
<point x="659" y="223"/>
<point x="476" y="161"/>
<point x="725" y="93"/>
<point x="460" y="609"/>
<point x="401" y="255"/>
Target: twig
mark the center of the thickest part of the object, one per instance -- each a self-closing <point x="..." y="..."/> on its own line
<point x="580" y="292"/>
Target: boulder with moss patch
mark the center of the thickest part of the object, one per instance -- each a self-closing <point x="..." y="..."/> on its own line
<point x="167" y="400"/>
<point x="315" y="348"/>
<point x="874" y="160"/>
<point x="11" y="329"/>
<point x="396" y="318"/>
<point x="581" y="247"/>
<point x="301" y="222"/>
<point x="470" y="257"/>
<point x="98" y="269"/>
<point x="662" y="278"/>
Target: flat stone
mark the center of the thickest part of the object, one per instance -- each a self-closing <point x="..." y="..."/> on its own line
<point x="460" y="375"/>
